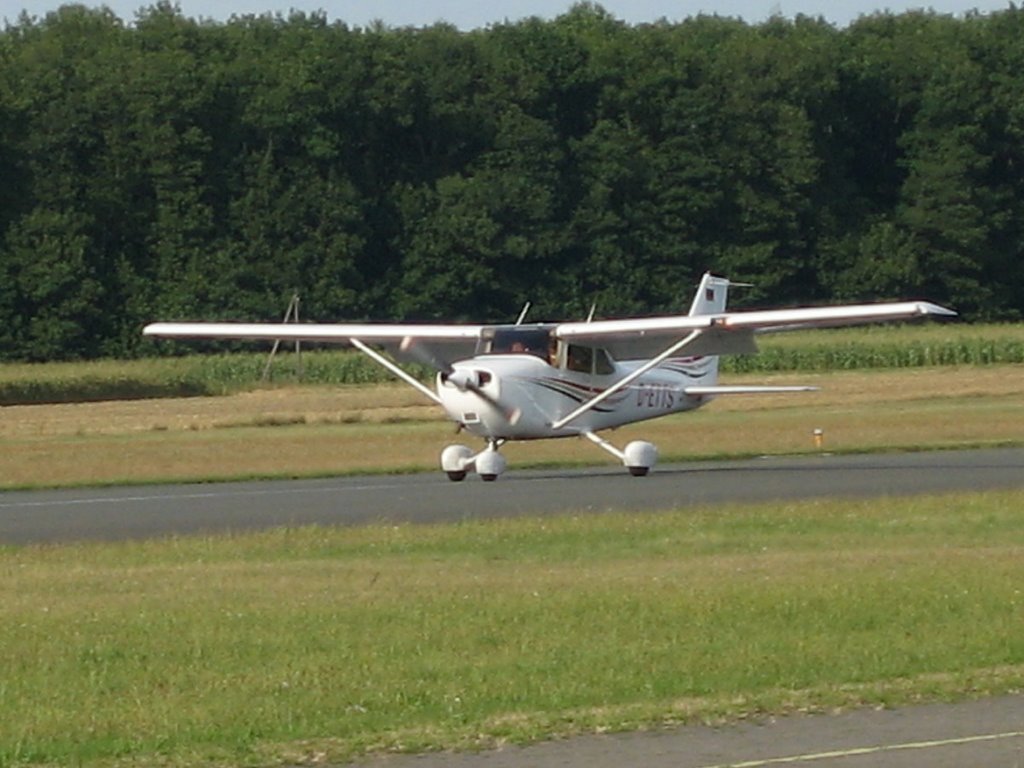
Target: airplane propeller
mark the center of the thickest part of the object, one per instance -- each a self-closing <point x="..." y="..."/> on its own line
<point x="462" y="380"/>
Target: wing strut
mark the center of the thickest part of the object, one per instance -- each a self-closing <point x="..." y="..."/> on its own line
<point x="411" y="381"/>
<point x="625" y="381"/>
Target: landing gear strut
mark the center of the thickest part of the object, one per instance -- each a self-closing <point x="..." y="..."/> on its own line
<point x="638" y="457"/>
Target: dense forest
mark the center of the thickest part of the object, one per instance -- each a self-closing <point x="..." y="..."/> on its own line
<point x="169" y="168"/>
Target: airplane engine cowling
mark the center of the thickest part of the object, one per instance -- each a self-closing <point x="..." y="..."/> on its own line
<point x="640" y="456"/>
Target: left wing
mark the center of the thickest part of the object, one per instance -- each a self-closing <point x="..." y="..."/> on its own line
<point x="733" y="332"/>
<point x="718" y="333"/>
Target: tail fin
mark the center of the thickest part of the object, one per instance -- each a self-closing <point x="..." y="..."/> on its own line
<point x="711" y="295"/>
<point x="709" y="300"/>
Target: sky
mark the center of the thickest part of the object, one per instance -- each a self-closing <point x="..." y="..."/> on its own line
<point x="472" y="14"/>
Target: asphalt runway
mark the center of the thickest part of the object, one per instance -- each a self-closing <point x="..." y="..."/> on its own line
<point x="987" y="733"/>
<point x="152" y="511"/>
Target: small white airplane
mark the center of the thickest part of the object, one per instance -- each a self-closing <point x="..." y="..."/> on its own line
<point x="549" y="380"/>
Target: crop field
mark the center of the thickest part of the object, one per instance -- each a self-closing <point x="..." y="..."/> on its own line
<point x="315" y="645"/>
<point x="903" y="346"/>
<point x="907" y="346"/>
<point x="321" y="431"/>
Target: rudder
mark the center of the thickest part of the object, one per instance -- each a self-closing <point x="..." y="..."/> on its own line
<point x="711" y="295"/>
<point x="710" y="299"/>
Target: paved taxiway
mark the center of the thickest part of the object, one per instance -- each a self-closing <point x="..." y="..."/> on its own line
<point x="987" y="733"/>
<point x="148" y="511"/>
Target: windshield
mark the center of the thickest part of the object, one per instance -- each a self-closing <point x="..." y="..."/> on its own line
<point x="515" y="340"/>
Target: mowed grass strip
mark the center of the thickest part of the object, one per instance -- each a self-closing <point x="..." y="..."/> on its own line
<point x="315" y="644"/>
<point x="321" y="431"/>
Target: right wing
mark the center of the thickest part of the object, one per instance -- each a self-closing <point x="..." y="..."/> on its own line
<point x="446" y="343"/>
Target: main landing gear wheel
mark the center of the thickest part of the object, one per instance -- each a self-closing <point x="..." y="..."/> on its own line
<point x="639" y="456"/>
<point x="456" y="461"/>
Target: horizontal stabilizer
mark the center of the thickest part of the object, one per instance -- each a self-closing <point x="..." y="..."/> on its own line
<point x="742" y="390"/>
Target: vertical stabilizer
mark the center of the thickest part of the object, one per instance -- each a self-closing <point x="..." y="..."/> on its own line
<point x="710" y="299"/>
<point x="711" y="295"/>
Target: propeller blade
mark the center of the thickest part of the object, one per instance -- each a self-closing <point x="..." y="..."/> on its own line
<point x="511" y="414"/>
<point x="467" y="381"/>
<point x="424" y="355"/>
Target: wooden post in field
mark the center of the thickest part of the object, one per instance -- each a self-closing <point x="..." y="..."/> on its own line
<point x="292" y="313"/>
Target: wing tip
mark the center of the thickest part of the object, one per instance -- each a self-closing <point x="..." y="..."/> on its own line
<point x="928" y="308"/>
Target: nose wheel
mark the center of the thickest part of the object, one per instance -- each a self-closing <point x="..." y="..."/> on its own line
<point x="458" y="460"/>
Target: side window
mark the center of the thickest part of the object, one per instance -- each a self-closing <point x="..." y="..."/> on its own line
<point x="579" y="358"/>
<point x="603" y="364"/>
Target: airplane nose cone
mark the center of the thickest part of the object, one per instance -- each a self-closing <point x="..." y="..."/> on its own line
<point x="469" y="379"/>
<point x="473" y="397"/>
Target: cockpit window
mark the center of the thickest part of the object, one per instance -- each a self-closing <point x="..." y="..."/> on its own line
<point x="603" y="364"/>
<point x="515" y="340"/>
<point x="588" y="360"/>
<point x="579" y="358"/>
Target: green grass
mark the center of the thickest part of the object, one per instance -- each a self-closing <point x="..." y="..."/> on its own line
<point x="840" y="349"/>
<point x="315" y="643"/>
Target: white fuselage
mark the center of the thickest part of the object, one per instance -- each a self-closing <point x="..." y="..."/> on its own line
<point x="542" y="394"/>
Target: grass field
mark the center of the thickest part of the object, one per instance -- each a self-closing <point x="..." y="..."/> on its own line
<point x="315" y="645"/>
<point x="323" y="431"/>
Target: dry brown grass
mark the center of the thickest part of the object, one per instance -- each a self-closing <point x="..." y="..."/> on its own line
<point x="268" y="407"/>
<point x="322" y="430"/>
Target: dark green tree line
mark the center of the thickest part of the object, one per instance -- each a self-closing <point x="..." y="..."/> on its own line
<point x="167" y="168"/>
